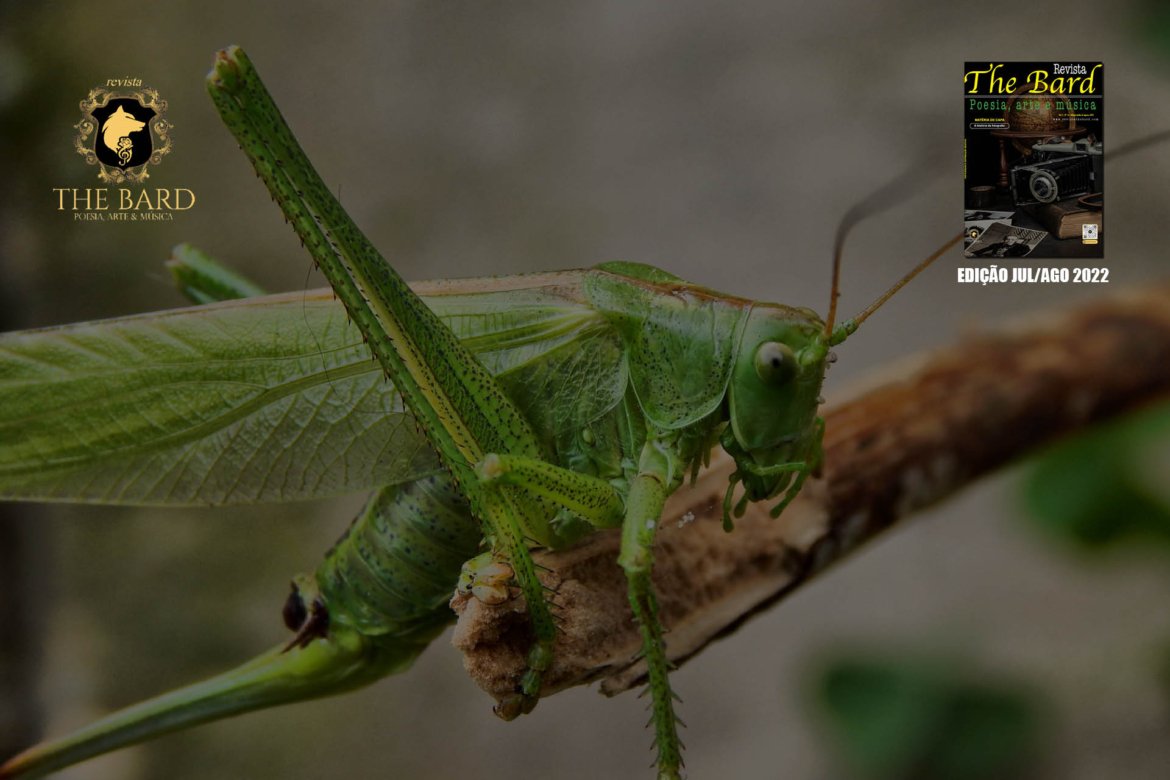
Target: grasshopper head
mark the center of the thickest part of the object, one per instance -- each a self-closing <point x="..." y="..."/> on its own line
<point x="774" y="393"/>
<point x="776" y="380"/>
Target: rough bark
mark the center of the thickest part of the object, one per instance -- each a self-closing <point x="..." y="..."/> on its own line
<point x="945" y="420"/>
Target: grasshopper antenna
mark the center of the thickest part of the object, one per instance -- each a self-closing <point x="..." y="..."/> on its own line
<point x="860" y="318"/>
<point x="890" y="195"/>
<point x="1138" y="144"/>
<point x="846" y="329"/>
<point x="882" y="199"/>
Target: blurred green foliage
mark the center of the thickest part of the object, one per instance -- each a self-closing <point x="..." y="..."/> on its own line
<point x="1164" y="669"/>
<point x="1107" y="485"/>
<point x="910" y="718"/>
<point x="906" y="718"/>
<point x="1153" y="25"/>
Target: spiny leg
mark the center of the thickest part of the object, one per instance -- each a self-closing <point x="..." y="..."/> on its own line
<point x="463" y="411"/>
<point x="643" y="510"/>
<point x="596" y="501"/>
<point x="586" y="496"/>
<point x="593" y="499"/>
<point x="511" y="541"/>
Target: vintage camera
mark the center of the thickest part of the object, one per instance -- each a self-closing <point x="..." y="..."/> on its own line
<point x="1056" y="170"/>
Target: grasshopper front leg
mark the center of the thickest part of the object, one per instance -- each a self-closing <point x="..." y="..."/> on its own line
<point x="464" y="413"/>
<point x="598" y="502"/>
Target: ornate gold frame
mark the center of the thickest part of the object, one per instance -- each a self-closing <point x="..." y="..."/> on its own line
<point x="159" y="126"/>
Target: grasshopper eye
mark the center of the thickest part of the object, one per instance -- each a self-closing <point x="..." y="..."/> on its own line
<point x="775" y="363"/>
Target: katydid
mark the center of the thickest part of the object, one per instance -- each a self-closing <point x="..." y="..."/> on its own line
<point x="519" y="412"/>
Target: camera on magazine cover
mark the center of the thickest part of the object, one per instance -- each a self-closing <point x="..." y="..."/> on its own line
<point x="1056" y="170"/>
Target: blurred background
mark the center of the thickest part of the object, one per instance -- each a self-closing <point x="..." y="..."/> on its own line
<point x="722" y="142"/>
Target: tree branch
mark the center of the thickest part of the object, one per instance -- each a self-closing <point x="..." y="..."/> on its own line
<point x="956" y="415"/>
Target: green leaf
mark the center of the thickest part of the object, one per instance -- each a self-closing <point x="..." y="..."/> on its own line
<point x="1107" y="485"/>
<point x="914" y="719"/>
<point x="1152" y="25"/>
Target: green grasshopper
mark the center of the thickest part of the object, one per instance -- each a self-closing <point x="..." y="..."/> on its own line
<point x="520" y="412"/>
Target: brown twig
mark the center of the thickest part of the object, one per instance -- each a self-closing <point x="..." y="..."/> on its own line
<point x="961" y="413"/>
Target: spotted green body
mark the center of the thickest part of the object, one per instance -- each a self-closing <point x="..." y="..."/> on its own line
<point x="393" y="571"/>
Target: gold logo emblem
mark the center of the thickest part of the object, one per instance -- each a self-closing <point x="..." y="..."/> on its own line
<point x="123" y="133"/>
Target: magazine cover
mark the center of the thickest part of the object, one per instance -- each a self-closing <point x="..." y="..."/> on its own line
<point x="1034" y="153"/>
<point x="382" y="382"/>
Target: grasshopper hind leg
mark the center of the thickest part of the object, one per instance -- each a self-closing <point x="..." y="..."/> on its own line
<point x="463" y="411"/>
<point x="596" y="501"/>
<point x="513" y="546"/>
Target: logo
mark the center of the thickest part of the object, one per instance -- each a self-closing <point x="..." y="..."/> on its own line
<point x="123" y="133"/>
<point x="1089" y="234"/>
<point x="123" y="130"/>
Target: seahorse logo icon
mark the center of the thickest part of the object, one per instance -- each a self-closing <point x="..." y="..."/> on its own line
<point x="116" y="133"/>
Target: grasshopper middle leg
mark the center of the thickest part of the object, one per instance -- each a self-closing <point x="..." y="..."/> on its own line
<point x="598" y="502"/>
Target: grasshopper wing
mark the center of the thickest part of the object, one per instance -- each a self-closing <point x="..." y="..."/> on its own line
<point x="263" y="399"/>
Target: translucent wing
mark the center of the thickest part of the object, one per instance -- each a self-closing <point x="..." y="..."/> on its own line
<point x="264" y="399"/>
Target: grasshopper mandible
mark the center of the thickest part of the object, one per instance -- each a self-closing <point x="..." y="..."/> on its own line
<point x="543" y="407"/>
